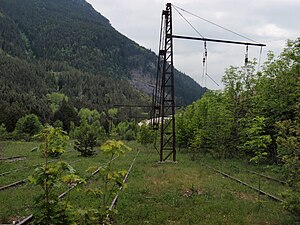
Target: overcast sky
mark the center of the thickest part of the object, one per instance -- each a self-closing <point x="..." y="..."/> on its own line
<point x="271" y="22"/>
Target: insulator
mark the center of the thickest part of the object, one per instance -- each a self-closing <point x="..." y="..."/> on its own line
<point x="205" y="49"/>
<point x="246" y="56"/>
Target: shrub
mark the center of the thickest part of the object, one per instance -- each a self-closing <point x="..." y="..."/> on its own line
<point x="145" y="134"/>
<point x="88" y="133"/>
<point x="112" y="180"/>
<point x="3" y="132"/>
<point x="288" y="142"/>
<point x="49" y="209"/>
<point x="28" y="126"/>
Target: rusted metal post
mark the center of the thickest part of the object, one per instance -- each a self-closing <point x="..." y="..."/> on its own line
<point x="167" y="96"/>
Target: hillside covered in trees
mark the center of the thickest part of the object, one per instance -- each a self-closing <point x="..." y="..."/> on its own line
<point x="50" y="47"/>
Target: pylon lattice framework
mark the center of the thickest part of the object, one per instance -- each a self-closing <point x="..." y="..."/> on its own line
<point x="164" y="102"/>
<point x="163" y="112"/>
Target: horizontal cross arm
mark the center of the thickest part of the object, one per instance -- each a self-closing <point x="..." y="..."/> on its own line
<point x="217" y="40"/>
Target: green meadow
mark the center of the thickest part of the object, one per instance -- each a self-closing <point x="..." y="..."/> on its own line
<point x="185" y="192"/>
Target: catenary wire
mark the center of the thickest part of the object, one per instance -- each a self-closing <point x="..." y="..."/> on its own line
<point x="208" y="21"/>
<point x="189" y="23"/>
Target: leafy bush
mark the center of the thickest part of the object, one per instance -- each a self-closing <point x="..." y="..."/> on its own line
<point x="288" y="143"/>
<point x="126" y="131"/>
<point x="3" y="132"/>
<point x="54" y="141"/>
<point x="87" y="136"/>
<point x="88" y="133"/>
<point x="28" y="126"/>
<point x="256" y="141"/>
<point x="58" y="124"/>
<point x="145" y="134"/>
<point x="55" y="99"/>
<point x="49" y="209"/>
<point x="112" y="180"/>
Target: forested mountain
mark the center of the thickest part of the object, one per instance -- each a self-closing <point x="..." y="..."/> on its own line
<point x="65" y="46"/>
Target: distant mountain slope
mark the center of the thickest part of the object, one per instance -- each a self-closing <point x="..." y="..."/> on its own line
<point x="59" y="37"/>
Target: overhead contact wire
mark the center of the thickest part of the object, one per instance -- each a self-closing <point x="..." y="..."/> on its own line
<point x="189" y="23"/>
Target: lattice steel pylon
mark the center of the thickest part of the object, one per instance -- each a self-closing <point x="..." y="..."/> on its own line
<point x="164" y="98"/>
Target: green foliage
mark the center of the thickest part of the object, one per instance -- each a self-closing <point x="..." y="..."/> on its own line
<point x="57" y="124"/>
<point x="217" y="126"/>
<point x="185" y="127"/>
<point x="205" y="126"/>
<point x="23" y="88"/>
<point x="28" y="126"/>
<point x="256" y="116"/>
<point x="126" y="131"/>
<point x="257" y="141"/>
<point x="289" y="148"/>
<point x="239" y="90"/>
<point x="114" y="148"/>
<point x="54" y="141"/>
<point x="288" y="142"/>
<point x="112" y="180"/>
<point x="49" y="209"/>
<point x="277" y="90"/>
<point x="3" y="132"/>
<point x="145" y="134"/>
<point x="66" y="113"/>
<point x="88" y="133"/>
<point x="89" y="116"/>
<point x="55" y="99"/>
<point x="72" y="130"/>
<point x="87" y="136"/>
<point x="112" y="112"/>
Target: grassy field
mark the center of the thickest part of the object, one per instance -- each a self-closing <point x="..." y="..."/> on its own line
<point x="190" y="193"/>
<point x="186" y="192"/>
<point x="17" y="202"/>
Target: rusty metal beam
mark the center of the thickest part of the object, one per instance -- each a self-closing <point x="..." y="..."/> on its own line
<point x="217" y="40"/>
